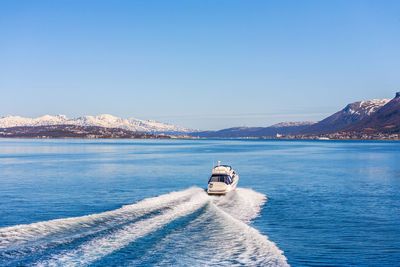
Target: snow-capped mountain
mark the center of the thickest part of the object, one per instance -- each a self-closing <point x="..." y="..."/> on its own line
<point x="103" y="120"/>
<point x="385" y="119"/>
<point x="352" y="113"/>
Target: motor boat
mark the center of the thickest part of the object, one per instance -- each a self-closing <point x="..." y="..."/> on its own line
<point x="223" y="180"/>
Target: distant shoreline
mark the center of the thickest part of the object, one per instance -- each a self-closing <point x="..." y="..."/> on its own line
<point x="97" y="132"/>
<point x="192" y="138"/>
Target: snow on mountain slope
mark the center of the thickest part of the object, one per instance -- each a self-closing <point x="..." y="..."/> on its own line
<point x="385" y="119"/>
<point x="366" y="107"/>
<point x="352" y="113"/>
<point x="103" y="120"/>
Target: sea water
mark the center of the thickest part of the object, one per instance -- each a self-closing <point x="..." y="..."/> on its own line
<point x="142" y="203"/>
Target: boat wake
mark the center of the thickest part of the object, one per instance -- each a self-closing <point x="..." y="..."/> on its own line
<point x="187" y="227"/>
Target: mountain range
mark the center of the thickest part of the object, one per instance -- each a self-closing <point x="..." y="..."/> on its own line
<point x="362" y="117"/>
<point x="367" y="116"/>
<point x="75" y="131"/>
<point x="103" y="120"/>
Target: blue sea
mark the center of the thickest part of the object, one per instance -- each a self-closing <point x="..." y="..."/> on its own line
<point x="142" y="203"/>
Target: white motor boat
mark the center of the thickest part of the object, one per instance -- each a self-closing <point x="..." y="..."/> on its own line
<point x="223" y="180"/>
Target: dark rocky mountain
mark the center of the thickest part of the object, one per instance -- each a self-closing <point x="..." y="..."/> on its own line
<point x="351" y="114"/>
<point x="280" y="128"/>
<point x="385" y="120"/>
<point x="73" y="131"/>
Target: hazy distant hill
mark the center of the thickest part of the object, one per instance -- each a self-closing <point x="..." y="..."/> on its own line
<point x="386" y="119"/>
<point x="104" y="120"/>
<point x="281" y="128"/>
<point x="352" y="113"/>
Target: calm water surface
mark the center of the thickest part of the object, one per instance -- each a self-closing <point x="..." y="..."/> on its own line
<point x="302" y="203"/>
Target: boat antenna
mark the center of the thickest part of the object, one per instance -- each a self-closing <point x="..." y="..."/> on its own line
<point x="219" y="163"/>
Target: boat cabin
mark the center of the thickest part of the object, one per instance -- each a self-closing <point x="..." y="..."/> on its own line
<point x="220" y="178"/>
<point x="222" y="174"/>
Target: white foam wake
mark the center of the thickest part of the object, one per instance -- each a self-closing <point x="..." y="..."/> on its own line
<point x="243" y="204"/>
<point x="250" y="248"/>
<point x="218" y="233"/>
<point x="221" y="236"/>
<point x="98" y="248"/>
<point x="21" y="234"/>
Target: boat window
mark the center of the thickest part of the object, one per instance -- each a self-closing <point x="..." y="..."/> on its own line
<point x="221" y="178"/>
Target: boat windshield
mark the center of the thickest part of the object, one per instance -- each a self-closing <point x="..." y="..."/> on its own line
<point x="221" y="178"/>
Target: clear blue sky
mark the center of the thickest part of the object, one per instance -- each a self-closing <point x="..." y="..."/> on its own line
<point x="200" y="64"/>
